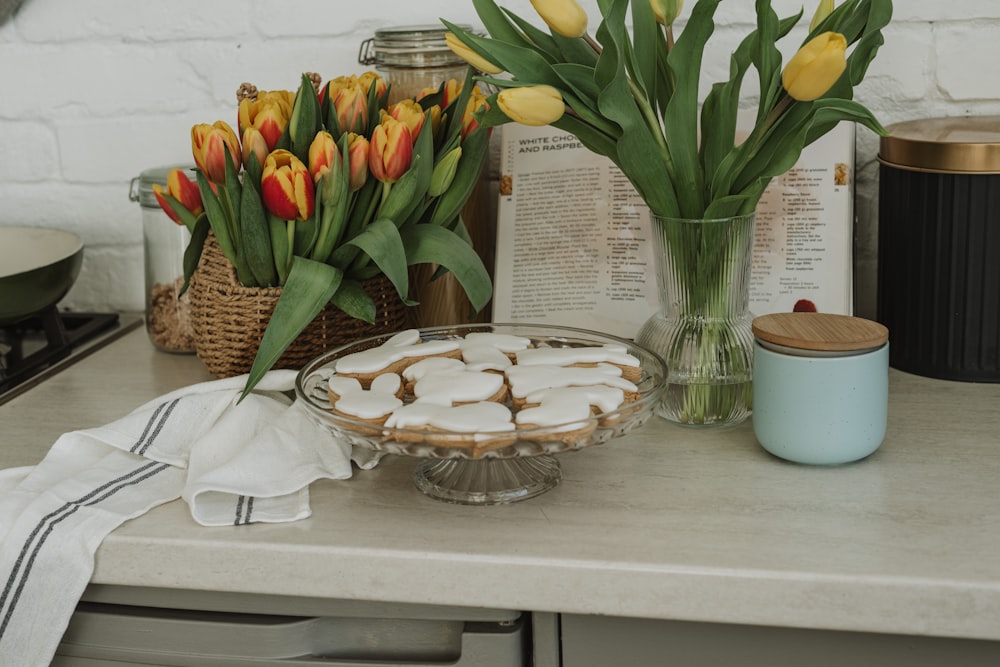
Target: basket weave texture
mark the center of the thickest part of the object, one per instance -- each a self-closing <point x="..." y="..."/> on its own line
<point x="229" y="319"/>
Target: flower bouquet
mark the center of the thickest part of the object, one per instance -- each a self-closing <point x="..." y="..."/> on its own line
<point x="632" y="95"/>
<point x="332" y="185"/>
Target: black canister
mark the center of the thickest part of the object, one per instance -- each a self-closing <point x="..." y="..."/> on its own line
<point x="939" y="247"/>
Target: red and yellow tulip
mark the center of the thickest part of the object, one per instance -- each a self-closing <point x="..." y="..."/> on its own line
<point x="477" y="100"/>
<point x="286" y="186"/>
<point x="184" y="190"/>
<point x="390" y="150"/>
<point x="357" y="154"/>
<point x="268" y="114"/>
<point x="349" y="98"/>
<point x="411" y="114"/>
<point x="323" y="155"/>
<point x="254" y="143"/>
<point x="211" y="146"/>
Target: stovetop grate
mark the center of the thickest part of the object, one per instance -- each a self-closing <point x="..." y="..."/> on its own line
<point x="29" y="347"/>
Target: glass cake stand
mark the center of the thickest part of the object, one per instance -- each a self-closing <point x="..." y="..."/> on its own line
<point x="486" y="468"/>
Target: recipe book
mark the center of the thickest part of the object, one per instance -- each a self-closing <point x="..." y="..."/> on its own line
<point x="574" y="244"/>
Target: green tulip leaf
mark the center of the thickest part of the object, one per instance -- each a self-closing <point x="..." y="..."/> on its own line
<point x="430" y="244"/>
<point x="216" y="216"/>
<point x="382" y="243"/>
<point x="305" y="120"/>
<point x="255" y="237"/>
<point x="681" y="131"/>
<point x="309" y="287"/>
<point x="188" y="219"/>
<point x="542" y="41"/>
<point x="353" y="300"/>
<point x="496" y="23"/>
<point x="192" y="253"/>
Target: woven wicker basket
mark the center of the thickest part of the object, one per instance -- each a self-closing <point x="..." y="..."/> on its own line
<point x="229" y="319"/>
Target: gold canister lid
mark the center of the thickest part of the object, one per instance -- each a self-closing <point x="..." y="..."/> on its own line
<point x="960" y="145"/>
<point x="825" y="332"/>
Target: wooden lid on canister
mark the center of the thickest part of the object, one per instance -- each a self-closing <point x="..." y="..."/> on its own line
<point x="820" y="331"/>
<point x="959" y="145"/>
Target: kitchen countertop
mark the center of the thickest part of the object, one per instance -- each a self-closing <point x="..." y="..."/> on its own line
<point x="667" y="523"/>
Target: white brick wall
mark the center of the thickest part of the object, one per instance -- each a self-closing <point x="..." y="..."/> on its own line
<point x="93" y="92"/>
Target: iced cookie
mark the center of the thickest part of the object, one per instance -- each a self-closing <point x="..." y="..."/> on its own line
<point x="394" y="356"/>
<point x="609" y="353"/>
<point x="371" y="406"/>
<point x="525" y="380"/>
<point x="455" y="387"/>
<point x="482" y="426"/>
<point x="484" y="351"/>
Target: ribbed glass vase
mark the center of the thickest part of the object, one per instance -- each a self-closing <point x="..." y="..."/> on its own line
<point x="702" y="329"/>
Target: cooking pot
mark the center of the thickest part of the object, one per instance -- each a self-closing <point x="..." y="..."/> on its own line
<point x="37" y="268"/>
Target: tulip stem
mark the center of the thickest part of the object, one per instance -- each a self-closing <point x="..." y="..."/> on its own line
<point x="593" y="43"/>
<point x="654" y="126"/>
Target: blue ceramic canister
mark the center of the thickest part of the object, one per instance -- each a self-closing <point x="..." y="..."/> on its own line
<point x="820" y="386"/>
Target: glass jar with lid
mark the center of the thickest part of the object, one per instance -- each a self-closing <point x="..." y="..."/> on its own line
<point x="168" y="320"/>
<point x="411" y="59"/>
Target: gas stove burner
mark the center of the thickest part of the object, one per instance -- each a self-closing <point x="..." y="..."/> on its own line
<point x="35" y="344"/>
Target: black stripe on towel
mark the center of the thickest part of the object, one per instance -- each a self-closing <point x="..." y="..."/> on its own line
<point x="18" y="577"/>
<point x="243" y="503"/>
<point x="154" y="426"/>
<point x="33" y="545"/>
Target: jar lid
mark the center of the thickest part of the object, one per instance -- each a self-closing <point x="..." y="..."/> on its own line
<point x="414" y="46"/>
<point x="966" y="145"/>
<point x="820" y="332"/>
<point x="141" y="187"/>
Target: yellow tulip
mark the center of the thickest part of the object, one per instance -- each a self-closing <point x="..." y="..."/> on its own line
<point x="824" y="9"/>
<point x="565" y="17"/>
<point x="816" y="67"/>
<point x="666" y="11"/>
<point x="532" y="105"/>
<point x="459" y="48"/>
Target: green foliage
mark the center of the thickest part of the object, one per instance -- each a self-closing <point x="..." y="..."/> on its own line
<point x="633" y="96"/>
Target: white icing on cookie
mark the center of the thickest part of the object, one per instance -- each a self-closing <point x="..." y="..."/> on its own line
<point x="486" y="417"/>
<point x="373" y="403"/>
<point x="488" y="351"/>
<point x="416" y="371"/>
<point x="460" y="386"/>
<point x="612" y="353"/>
<point x="525" y="380"/>
<point x="340" y="385"/>
<point x="403" y="345"/>
<point x="560" y="405"/>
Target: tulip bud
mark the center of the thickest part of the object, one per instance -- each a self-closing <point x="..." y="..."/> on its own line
<point x="322" y="154"/>
<point x="357" y="155"/>
<point x="532" y="105"/>
<point x="478" y="62"/>
<point x="254" y="144"/>
<point x="444" y="172"/>
<point x="816" y="67"/>
<point x="409" y="113"/>
<point x="824" y="9"/>
<point x="449" y="91"/>
<point x="366" y="80"/>
<point x="390" y="150"/>
<point x="184" y="190"/>
<point x="666" y="11"/>
<point x="351" y="105"/>
<point x="268" y="114"/>
<point x="565" y="17"/>
<point x="287" y="187"/>
<point x="477" y="100"/>
<point x="211" y="146"/>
